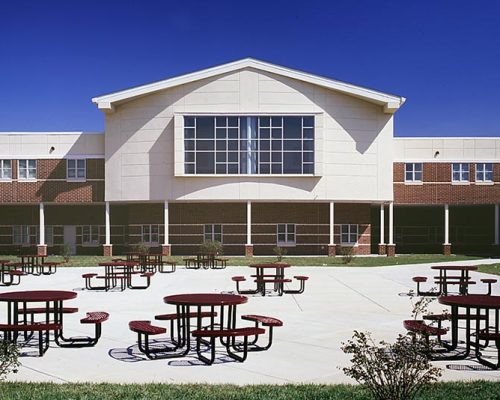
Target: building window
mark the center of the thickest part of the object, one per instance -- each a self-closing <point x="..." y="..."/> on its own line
<point x="413" y="172"/>
<point x="76" y="169"/>
<point x="460" y="172"/>
<point x="5" y="169"/>
<point x="25" y="235"/>
<point x="27" y="169"/>
<point x="349" y="234"/>
<point x="484" y="172"/>
<point x="285" y="234"/>
<point x="212" y="232"/>
<point x="150" y="234"/>
<point x="249" y="145"/>
<point x="90" y="235"/>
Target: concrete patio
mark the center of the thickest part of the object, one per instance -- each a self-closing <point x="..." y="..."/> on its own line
<point x="306" y="349"/>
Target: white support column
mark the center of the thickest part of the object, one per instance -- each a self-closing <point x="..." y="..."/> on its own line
<point x="391" y="223"/>
<point x="446" y="224"/>
<point x="497" y="228"/>
<point x="332" y="222"/>
<point x="382" y="224"/>
<point x="249" y="223"/>
<point x="165" y="224"/>
<point x="41" y="227"/>
<point x="108" y="228"/>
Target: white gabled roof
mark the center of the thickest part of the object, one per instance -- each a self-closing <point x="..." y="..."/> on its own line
<point x="391" y="103"/>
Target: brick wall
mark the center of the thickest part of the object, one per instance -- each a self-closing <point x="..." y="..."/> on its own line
<point x="437" y="188"/>
<point x="51" y="184"/>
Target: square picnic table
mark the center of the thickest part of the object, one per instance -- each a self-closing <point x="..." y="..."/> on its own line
<point x="463" y="280"/>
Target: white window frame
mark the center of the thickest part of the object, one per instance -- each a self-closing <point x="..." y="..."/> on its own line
<point x="414" y="171"/>
<point x="484" y="172"/>
<point x="93" y="234"/>
<point x="286" y="230"/>
<point x="147" y="234"/>
<point x="211" y="232"/>
<point x="77" y="168"/>
<point x="28" y="235"/>
<point x="27" y="169"/>
<point x="352" y="230"/>
<point x="463" y="169"/>
<point x="4" y="168"/>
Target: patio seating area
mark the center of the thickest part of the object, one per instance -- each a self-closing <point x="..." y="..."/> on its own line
<point x="268" y="333"/>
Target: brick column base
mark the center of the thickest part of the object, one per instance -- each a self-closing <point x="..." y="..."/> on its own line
<point x="249" y="250"/>
<point x="41" y="250"/>
<point x="332" y="250"/>
<point x="107" y="250"/>
<point x="390" y="250"/>
<point x="447" y="249"/>
<point x="166" y="250"/>
<point x="382" y="249"/>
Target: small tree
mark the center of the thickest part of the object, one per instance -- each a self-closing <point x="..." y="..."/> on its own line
<point x="9" y="362"/>
<point x="211" y="247"/>
<point x="280" y="253"/>
<point x="66" y="251"/>
<point x="347" y="253"/>
<point x="390" y="371"/>
<point x="140" y="248"/>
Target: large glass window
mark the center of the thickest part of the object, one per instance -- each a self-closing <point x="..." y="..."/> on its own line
<point x="460" y="172"/>
<point x="484" y="172"/>
<point x="285" y="234"/>
<point x="27" y="169"/>
<point x="150" y="234"/>
<point x="76" y="169"/>
<point x="249" y="145"/>
<point x="24" y="235"/>
<point x="5" y="169"/>
<point x="213" y="232"/>
<point x="413" y="172"/>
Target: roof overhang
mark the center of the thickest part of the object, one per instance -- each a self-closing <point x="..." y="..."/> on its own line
<point x="389" y="102"/>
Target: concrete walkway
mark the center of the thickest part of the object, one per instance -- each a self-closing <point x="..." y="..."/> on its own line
<point x="306" y="349"/>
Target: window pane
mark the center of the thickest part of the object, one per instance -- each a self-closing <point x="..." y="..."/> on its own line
<point x="232" y="168"/>
<point x="189" y="157"/>
<point x="276" y="169"/>
<point x="292" y="163"/>
<point x="293" y="145"/>
<point x="290" y="238"/>
<point x="276" y="133"/>
<point x="221" y="133"/>
<point x="71" y="173"/>
<point x="205" y="127"/>
<point x="265" y="169"/>
<point x="205" y="163"/>
<point x="32" y="164"/>
<point x="188" y="121"/>
<point x="409" y="167"/>
<point x="308" y="145"/>
<point x="345" y="229"/>
<point x="71" y="164"/>
<point x="32" y="174"/>
<point x="308" y="121"/>
<point x="418" y="176"/>
<point x="204" y="145"/>
<point x="188" y="133"/>
<point x="281" y="228"/>
<point x="308" y="133"/>
<point x="221" y="169"/>
<point x="265" y="133"/>
<point x="456" y="176"/>
<point x="409" y="176"/>
<point x="220" y="121"/>
<point x="456" y="167"/>
<point x="308" y="169"/>
<point x="232" y="121"/>
<point x="188" y="144"/>
<point x="465" y="176"/>
<point x="292" y="127"/>
<point x="276" y="157"/>
<point x="276" y="144"/>
<point x="189" y="168"/>
<point x="276" y="121"/>
<point x="220" y="156"/>
<point x="264" y="121"/>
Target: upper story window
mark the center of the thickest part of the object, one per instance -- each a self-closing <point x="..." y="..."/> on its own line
<point x="5" y="169"/>
<point x="27" y="169"/>
<point x="484" y="172"/>
<point x="460" y="172"/>
<point x="285" y="234"/>
<point x="212" y="232"/>
<point x="150" y="234"/>
<point x="76" y="169"/>
<point x="349" y="234"/>
<point x="413" y="172"/>
<point x="249" y="145"/>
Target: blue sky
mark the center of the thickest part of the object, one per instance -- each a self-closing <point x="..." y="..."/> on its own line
<point x="443" y="56"/>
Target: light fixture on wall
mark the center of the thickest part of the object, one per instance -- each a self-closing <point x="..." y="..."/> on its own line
<point x="52" y="148"/>
<point x="436" y="154"/>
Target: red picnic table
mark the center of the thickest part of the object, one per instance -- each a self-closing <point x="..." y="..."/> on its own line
<point x="273" y="273"/>
<point x="463" y="280"/>
<point x="117" y="271"/>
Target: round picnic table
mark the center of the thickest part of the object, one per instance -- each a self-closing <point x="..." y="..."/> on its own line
<point x="479" y="304"/>
<point x="261" y="275"/>
<point x="463" y="280"/>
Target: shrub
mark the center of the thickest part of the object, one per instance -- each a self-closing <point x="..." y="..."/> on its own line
<point x="66" y="251"/>
<point x="390" y="371"/>
<point x="280" y="253"/>
<point x="9" y="362"/>
<point x="211" y="247"/>
<point x="347" y="254"/>
<point x="140" y="248"/>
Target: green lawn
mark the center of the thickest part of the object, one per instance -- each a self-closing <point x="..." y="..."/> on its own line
<point x="478" y="390"/>
<point x="490" y="269"/>
<point x="92" y="261"/>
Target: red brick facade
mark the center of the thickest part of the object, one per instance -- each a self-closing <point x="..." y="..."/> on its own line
<point x="437" y="188"/>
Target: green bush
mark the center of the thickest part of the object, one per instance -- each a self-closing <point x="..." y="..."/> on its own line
<point x="9" y="362"/>
<point x="280" y="253"/>
<point x="211" y="247"/>
<point x="347" y="253"/>
<point x="66" y="251"/>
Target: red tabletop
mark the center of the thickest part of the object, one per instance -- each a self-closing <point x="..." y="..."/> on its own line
<point x="205" y="299"/>
<point x="471" y="300"/>
<point x="119" y="264"/>
<point x="276" y="266"/>
<point x="4" y="261"/>
<point x="37" y="295"/>
<point x="455" y="267"/>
